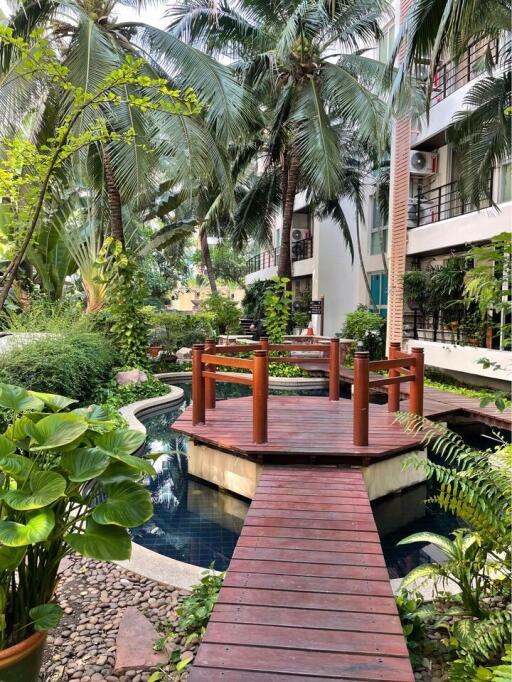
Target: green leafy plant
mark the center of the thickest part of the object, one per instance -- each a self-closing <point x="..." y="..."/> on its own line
<point x="182" y="330"/>
<point x="69" y="483"/>
<point x="412" y="611"/>
<point x="124" y="302"/>
<point x="417" y="285"/>
<point x="73" y="363"/>
<point x="224" y="313"/>
<point x="366" y="327"/>
<point x="43" y="315"/>
<point x="114" y="395"/>
<point x="253" y="304"/>
<point x="277" y="304"/>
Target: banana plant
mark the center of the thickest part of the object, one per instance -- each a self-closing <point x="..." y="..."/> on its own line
<point x="69" y="482"/>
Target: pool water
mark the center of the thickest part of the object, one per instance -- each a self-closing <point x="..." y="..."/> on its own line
<point x="199" y="524"/>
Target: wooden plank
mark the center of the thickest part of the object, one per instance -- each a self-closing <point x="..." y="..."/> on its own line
<point x="228" y="378"/>
<point x="300" y="583"/>
<point x="244" y="363"/>
<point x="310" y="570"/>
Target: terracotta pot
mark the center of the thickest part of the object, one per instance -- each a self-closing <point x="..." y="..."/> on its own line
<point x="153" y="352"/>
<point x="23" y="661"/>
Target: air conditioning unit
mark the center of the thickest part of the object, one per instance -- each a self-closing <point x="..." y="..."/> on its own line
<point x="422" y="163"/>
<point x="298" y="234"/>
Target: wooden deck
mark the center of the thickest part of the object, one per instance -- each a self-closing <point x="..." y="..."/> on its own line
<point x="307" y="595"/>
<point x="300" y="428"/>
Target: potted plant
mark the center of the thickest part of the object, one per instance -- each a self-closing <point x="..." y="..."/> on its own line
<point x="156" y="343"/>
<point x="472" y="329"/>
<point x="417" y="290"/>
<point x="69" y="483"/>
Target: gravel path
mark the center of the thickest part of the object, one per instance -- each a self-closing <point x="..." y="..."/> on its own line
<point x="94" y="596"/>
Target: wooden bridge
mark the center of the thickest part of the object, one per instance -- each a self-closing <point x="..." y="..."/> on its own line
<point x="307" y="595"/>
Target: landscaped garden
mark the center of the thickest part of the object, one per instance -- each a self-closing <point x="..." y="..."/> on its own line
<point x="142" y="165"/>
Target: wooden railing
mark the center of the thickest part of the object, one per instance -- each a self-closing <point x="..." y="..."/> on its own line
<point x="207" y="357"/>
<point x="401" y="367"/>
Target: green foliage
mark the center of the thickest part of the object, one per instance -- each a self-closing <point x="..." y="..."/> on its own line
<point x="58" y="497"/>
<point x="43" y="315"/>
<point x="277" y="305"/>
<point x="365" y="326"/>
<point x="228" y="265"/>
<point x="224" y="313"/>
<point x="125" y="298"/>
<point x="476" y="487"/>
<point x="195" y="610"/>
<point x="412" y="611"/>
<point x="113" y="395"/>
<point x="417" y="289"/>
<point x="488" y="285"/>
<point x="445" y="383"/>
<point x="301" y="315"/>
<point x="253" y="304"/>
<point x="75" y="364"/>
<point x="283" y="369"/>
<point x="178" y="330"/>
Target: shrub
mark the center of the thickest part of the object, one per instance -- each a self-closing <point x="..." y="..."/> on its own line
<point x="75" y="364"/>
<point x="367" y="327"/>
<point x="253" y="303"/>
<point x="225" y="313"/>
<point x="43" y="315"/>
<point x="180" y="330"/>
<point x="114" y="395"/>
<point x="277" y="309"/>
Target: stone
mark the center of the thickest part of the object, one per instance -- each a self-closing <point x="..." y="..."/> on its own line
<point x="132" y="376"/>
<point x="184" y="353"/>
<point x="135" y="641"/>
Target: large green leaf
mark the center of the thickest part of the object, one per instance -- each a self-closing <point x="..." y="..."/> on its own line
<point x="439" y="540"/>
<point x="18" y="399"/>
<point x="128" y="505"/>
<point x="121" y="441"/>
<point x="423" y="572"/>
<point x="58" y="430"/>
<point x="7" y="447"/>
<point x="41" y="489"/>
<point x="11" y="557"/>
<point x="45" y="616"/>
<point x="104" y="543"/>
<point x="17" y="466"/>
<point x="53" y="401"/>
<point x="119" y="471"/>
<point x="84" y="464"/>
<point x="38" y="527"/>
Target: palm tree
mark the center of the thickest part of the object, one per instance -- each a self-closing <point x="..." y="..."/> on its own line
<point x="320" y="99"/>
<point x="92" y="43"/>
<point x="435" y="30"/>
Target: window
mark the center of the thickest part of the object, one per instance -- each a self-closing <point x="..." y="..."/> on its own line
<point x="278" y="238"/>
<point x="506" y="182"/>
<point x="385" y="46"/>
<point x="378" y="232"/>
<point x="379" y="289"/>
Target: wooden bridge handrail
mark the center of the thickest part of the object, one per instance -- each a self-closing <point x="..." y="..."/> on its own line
<point x="229" y="378"/>
<point x="291" y="359"/>
<point x="238" y="348"/>
<point x="396" y="376"/>
<point x="240" y="363"/>
<point x="307" y="348"/>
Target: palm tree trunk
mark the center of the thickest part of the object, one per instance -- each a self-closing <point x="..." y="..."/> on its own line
<point x="290" y="185"/>
<point x="363" y="269"/>
<point x="206" y="259"/>
<point x="113" y="199"/>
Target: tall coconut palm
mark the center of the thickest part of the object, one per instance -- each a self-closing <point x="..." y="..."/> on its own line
<point x="92" y="43"/>
<point x="435" y="30"/>
<point x="320" y="97"/>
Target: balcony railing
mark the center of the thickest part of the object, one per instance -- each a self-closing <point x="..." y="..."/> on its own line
<point x="453" y="75"/>
<point x="442" y="203"/>
<point x="300" y="250"/>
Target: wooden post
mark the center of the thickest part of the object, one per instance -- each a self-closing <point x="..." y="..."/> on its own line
<point x="198" y="412"/>
<point x="334" y="369"/>
<point x="416" y="386"/>
<point x="264" y="343"/>
<point x="360" y="399"/>
<point x="209" y="384"/>
<point x="393" y="389"/>
<point x="260" y="396"/>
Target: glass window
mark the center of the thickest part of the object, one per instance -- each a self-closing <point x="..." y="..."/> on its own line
<point x="506" y="182"/>
<point x="378" y="232"/>
<point x="278" y="237"/>
<point x="386" y="41"/>
<point x="379" y="289"/>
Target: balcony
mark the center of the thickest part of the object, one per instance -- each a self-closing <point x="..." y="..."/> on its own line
<point x="442" y="203"/>
<point x="452" y="75"/>
<point x="300" y="250"/>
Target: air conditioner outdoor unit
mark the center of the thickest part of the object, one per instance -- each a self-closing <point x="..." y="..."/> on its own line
<point x="422" y="163"/>
<point x="299" y="233"/>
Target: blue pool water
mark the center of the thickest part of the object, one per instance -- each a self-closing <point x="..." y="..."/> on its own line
<point x="199" y="524"/>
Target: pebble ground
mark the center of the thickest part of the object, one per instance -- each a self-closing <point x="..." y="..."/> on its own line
<point x="94" y="596"/>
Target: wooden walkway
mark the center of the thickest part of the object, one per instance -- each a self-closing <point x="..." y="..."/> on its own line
<point x="300" y="429"/>
<point x="307" y="595"/>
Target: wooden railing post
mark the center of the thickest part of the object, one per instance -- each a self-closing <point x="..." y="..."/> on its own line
<point x="394" y="389"/>
<point x="361" y="389"/>
<point x="264" y="343"/>
<point x="334" y="369"/>
<point x="416" y="386"/>
<point x="198" y="412"/>
<point x="209" y="384"/>
<point x="260" y="396"/>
